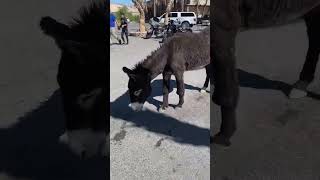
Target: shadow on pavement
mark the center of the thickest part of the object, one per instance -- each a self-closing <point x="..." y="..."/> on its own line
<point x="30" y="148"/>
<point x="181" y="132"/>
<point x="178" y="131"/>
<point x="256" y="81"/>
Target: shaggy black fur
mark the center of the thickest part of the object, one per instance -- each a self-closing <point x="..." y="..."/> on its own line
<point x="82" y="74"/>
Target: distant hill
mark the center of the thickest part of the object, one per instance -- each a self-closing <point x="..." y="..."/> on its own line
<point x="115" y="7"/>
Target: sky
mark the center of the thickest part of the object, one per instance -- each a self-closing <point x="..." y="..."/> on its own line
<point x="125" y="2"/>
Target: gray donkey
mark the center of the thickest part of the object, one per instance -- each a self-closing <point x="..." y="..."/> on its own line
<point x="233" y="16"/>
<point x="184" y="52"/>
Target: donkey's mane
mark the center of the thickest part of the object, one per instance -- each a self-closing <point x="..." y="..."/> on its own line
<point x="138" y="68"/>
<point x="91" y="25"/>
<point x="159" y="52"/>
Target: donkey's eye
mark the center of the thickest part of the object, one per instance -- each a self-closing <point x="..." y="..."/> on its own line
<point x="137" y="93"/>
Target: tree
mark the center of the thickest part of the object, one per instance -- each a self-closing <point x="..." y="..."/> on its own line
<point x="204" y="7"/>
<point x="182" y="5"/>
<point x="140" y="5"/>
<point x="197" y="8"/>
<point x="168" y="9"/>
<point x="124" y="11"/>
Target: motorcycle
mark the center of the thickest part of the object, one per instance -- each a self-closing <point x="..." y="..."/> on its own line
<point x="156" y="28"/>
<point x="172" y="28"/>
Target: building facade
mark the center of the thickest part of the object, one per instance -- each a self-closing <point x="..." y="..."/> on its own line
<point x="202" y="6"/>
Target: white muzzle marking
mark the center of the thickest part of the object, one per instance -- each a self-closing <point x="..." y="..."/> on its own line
<point x="136" y="106"/>
<point x="86" y="142"/>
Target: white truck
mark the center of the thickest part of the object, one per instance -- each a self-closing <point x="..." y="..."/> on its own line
<point x="187" y="19"/>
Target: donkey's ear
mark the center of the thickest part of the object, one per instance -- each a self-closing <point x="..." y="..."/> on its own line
<point x="130" y="73"/>
<point x="127" y="70"/>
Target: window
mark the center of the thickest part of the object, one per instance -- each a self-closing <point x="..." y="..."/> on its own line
<point x="187" y="15"/>
<point x="173" y="15"/>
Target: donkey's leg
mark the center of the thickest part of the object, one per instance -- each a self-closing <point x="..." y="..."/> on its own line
<point x="227" y="127"/>
<point x="223" y="34"/>
<point x="180" y="87"/>
<point x="206" y="83"/>
<point x="223" y="62"/>
<point x="166" y="88"/>
<point x="226" y="91"/>
<point x="312" y="57"/>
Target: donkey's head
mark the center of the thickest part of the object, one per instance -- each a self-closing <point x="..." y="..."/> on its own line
<point x="82" y="78"/>
<point x="139" y="88"/>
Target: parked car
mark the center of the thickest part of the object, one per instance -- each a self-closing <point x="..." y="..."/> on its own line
<point x="205" y="20"/>
<point x="187" y="19"/>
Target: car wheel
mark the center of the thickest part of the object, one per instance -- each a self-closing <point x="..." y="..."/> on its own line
<point x="185" y="25"/>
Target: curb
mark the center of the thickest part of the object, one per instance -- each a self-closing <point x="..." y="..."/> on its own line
<point x="138" y="34"/>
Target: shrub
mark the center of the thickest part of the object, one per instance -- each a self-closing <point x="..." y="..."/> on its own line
<point x="124" y="10"/>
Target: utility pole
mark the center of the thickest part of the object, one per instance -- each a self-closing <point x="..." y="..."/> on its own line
<point x="154" y="8"/>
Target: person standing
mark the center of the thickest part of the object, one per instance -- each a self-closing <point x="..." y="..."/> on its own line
<point x="113" y="28"/>
<point x="124" y="28"/>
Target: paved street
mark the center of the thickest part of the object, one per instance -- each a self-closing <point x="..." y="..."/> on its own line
<point x="31" y="117"/>
<point x="277" y="138"/>
<point x="152" y="145"/>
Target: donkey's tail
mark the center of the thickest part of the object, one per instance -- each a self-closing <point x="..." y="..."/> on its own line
<point x="54" y="29"/>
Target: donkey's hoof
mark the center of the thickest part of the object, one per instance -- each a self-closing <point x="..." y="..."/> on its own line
<point x="164" y="106"/>
<point x="297" y="93"/>
<point x="220" y="139"/>
<point x="161" y="110"/>
<point x="202" y="91"/>
<point x="178" y="106"/>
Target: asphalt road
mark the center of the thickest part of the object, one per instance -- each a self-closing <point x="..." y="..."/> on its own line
<point x="151" y="145"/>
<point x="31" y="117"/>
<point x="277" y="138"/>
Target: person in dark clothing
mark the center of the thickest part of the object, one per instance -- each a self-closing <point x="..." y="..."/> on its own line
<point x="124" y="28"/>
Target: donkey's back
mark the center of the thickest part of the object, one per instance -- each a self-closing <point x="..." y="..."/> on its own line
<point x="190" y="50"/>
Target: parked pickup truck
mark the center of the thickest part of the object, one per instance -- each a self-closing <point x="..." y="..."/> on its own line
<point x="187" y="19"/>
